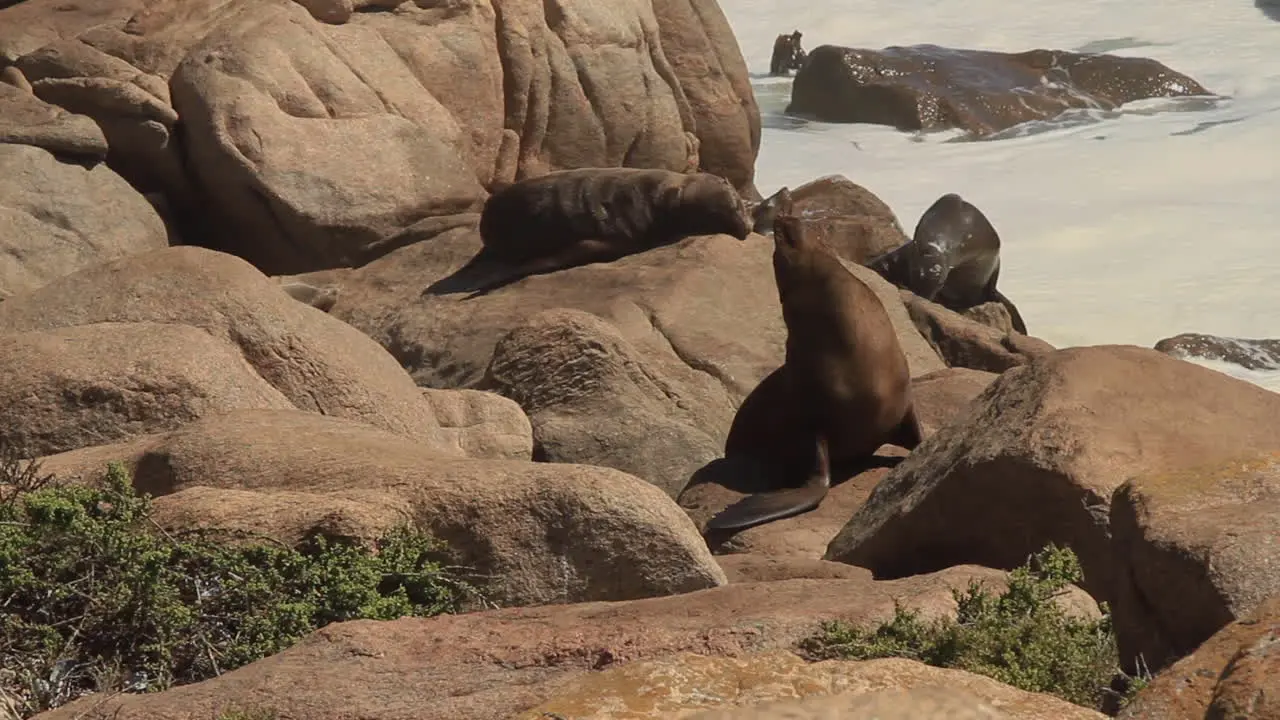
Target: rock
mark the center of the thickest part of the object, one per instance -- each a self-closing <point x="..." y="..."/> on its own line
<point x="57" y="217"/>
<point x="945" y="395"/>
<point x="491" y="665"/>
<point x="536" y="533"/>
<point x="27" y="120"/>
<point x="706" y="59"/>
<point x="926" y="87"/>
<point x="486" y="424"/>
<point x="591" y="399"/>
<point x="700" y="316"/>
<point x="964" y="342"/>
<point x="309" y="136"/>
<point x="317" y="362"/>
<point x="850" y="220"/>
<point x="1247" y="353"/>
<point x="74" y="387"/>
<point x="767" y="685"/>
<point x="759" y="567"/>
<point x="1039" y="454"/>
<point x="1195" y="549"/>
<point x="1234" y="674"/>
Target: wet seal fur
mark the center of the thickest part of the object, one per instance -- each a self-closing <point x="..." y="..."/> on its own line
<point x="843" y="391"/>
<point x="787" y="54"/>
<point x="953" y="259"/>
<point x="575" y="217"/>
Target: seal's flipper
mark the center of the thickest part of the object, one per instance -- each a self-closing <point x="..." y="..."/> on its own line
<point x="762" y="508"/>
<point x="1018" y="324"/>
<point x="583" y="252"/>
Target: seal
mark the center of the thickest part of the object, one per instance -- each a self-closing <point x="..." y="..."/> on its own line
<point x="953" y="259"/>
<point x="320" y="298"/>
<point x="843" y="390"/>
<point x="574" y="217"/>
<point x="787" y="54"/>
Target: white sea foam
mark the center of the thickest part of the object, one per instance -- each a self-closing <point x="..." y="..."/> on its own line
<point x="1117" y="227"/>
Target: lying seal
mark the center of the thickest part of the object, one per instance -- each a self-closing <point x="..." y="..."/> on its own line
<point x="575" y="217"/>
<point x="844" y="389"/>
<point x="953" y="259"/>
<point x="320" y="298"/>
<point x="787" y="54"/>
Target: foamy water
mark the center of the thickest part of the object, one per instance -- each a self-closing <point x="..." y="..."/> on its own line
<point x="1161" y="219"/>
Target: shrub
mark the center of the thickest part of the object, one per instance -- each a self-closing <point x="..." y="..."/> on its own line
<point x="95" y="596"/>
<point x="1020" y="637"/>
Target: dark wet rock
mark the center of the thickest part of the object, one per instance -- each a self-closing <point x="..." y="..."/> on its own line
<point x="1247" y="353"/>
<point x="927" y="87"/>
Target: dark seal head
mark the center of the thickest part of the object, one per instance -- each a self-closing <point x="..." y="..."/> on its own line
<point x="788" y="55"/>
<point x="847" y="380"/>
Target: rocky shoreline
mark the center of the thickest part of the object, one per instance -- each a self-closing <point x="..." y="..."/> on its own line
<point x="224" y="220"/>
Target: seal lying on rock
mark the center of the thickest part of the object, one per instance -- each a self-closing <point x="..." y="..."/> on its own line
<point x="846" y="380"/>
<point x="320" y="298"/>
<point x="574" y="217"/>
<point x="787" y="54"/>
<point x="953" y="259"/>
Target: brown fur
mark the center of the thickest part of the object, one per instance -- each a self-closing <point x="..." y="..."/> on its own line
<point x="788" y="55"/>
<point x="575" y="217"/>
<point x="845" y="379"/>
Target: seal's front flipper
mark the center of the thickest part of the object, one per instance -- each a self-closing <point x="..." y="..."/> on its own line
<point x="908" y="434"/>
<point x="762" y="508"/>
<point x="580" y="253"/>
<point x="995" y="295"/>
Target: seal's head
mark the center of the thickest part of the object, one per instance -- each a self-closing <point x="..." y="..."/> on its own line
<point x="709" y="205"/>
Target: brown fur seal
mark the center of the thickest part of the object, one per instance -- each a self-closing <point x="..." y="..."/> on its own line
<point x="787" y="54"/>
<point x="845" y="384"/>
<point x="575" y="217"/>
<point x="320" y="298"/>
<point x="953" y="259"/>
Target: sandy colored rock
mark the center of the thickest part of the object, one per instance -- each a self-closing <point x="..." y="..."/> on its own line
<point x="848" y="218"/>
<point x="969" y="343"/>
<point x="944" y="396"/>
<point x="319" y="363"/>
<point x="756" y="686"/>
<point x="706" y="59"/>
<point x="491" y="665"/>
<point x="758" y="567"/>
<point x="57" y="217"/>
<point x="486" y="424"/>
<point x="68" y="388"/>
<point x="1195" y="549"/>
<point x="1234" y="674"/>
<point x="927" y="701"/>
<point x="537" y="532"/>
<point x="1039" y="454"/>
<point x="592" y="399"/>
<point x="27" y="120"/>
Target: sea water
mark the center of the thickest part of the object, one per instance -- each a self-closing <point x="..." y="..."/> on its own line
<point x="1123" y="227"/>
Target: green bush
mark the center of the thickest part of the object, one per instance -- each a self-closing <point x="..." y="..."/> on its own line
<point x="1020" y="637"/>
<point x="95" y="596"/>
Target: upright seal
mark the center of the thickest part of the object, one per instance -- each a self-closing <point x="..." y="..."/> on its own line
<point x="843" y="391"/>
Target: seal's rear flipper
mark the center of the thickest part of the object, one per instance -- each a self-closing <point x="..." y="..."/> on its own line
<point x="762" y="508"/>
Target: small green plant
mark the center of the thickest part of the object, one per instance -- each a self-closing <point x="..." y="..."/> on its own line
<point x="1020" y="637"/>
<point x="96" y="597"/>
<point x="255" y="714"/>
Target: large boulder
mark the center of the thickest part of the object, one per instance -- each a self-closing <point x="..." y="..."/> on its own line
<point x="315" y="361"/>
<point x="58" y="215"/>
<point x="1234" y="674"/>
<point x="1195" y="549"/>
<point x="706" y="59"/>
<point x="491" y="665"/>
<point x="847" y="218"/>
<point x="307" y="126"/>
<point x="27" y="120"/>
<point x="966" y="342"/>
<point x="1039" y="454"/>
<point x="681" y="334"/>
<point x="779" y="685"/>
<point x="535" y="533"/>
<point x="926" y="87"/>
